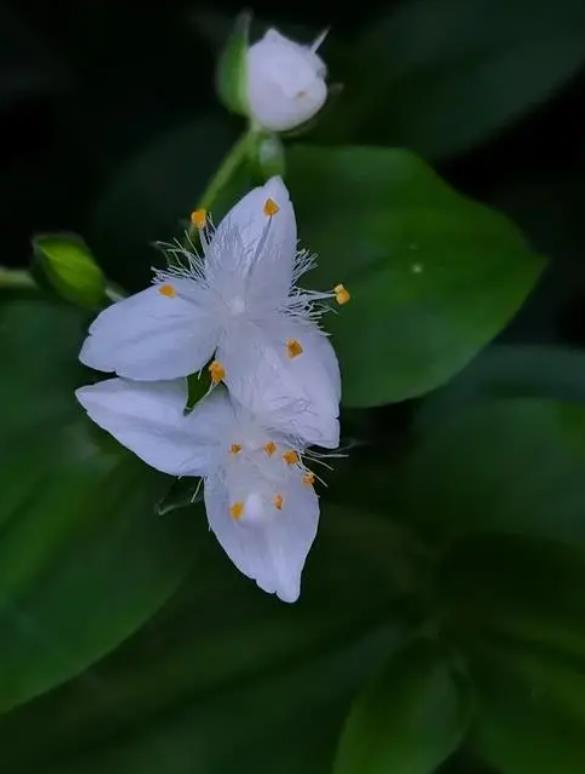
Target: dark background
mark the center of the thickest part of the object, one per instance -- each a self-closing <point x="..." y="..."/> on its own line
<point x="84" y="85"/>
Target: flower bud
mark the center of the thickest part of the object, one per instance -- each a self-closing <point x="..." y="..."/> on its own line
<point x="285" y="80"/>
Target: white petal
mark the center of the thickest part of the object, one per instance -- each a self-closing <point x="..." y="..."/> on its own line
<point x="260" y="248"/>
<point x="152" y="336"/>
<point x="266" y="544"/>
<point x="299" y="395"/>
<point x="147" y="418"/>
<point x="286" y="85"/>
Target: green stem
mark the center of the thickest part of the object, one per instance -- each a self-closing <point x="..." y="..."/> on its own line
<point x="16" y="278"/>
<point x="226" y="170"/>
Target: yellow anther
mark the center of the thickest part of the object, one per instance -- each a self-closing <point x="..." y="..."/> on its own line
<point x="167" y="290"/>
<point x="199" y="218"/>
<point x="235" y="448"/>
<point x="290" y="457"/>
<point x="293" y="348"/>
<point x="309" y="478"/>
<point x="237" y="510"/>
<point x="270" y="207"/>
<point x="342" y="296"/>
<point x="270" y="448"/>
<point x="278" y="502"/>
<point x="217" y="372"/>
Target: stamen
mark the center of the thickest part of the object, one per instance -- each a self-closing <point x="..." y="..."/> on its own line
<point x="270" y="207"/>
<point x="342" y="296"/>
<point x="167" y="290"/>
<point x="309" y="478"/>
<point x="294" y="348"/>
<point x="235" y="448"/>
<point x="278" y="502"/>
<point x="199" y="218"/>
<point x="270" y="448"/>
<point x="237" y="510"/>
<point x="290" y="457"/>
<point x="217" y="372"/>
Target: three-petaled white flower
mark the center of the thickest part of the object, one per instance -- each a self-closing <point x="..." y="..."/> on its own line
<point x="286" y="81"/>
<point x="238" y="303"/>
<point x="259" y="496"/>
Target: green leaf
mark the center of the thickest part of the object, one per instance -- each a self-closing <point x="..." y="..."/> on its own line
<point x="513" y="466"/>
<point x="525" y="589"/>
<point x="511" y="371"/>
<point x="16" y="279"/>
<point x="532" y="710"/>
<point x="432" y="78"/>
<point x="410" y="718"/>
<point x="84" y="560"/>
<point x="433" y="275"/>
<point x="231" y="76"/>
<point x="226" y="677"/>
<point x="71" y="269"/>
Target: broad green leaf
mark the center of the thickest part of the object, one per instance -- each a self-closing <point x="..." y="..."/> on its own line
<point x="441" y="76"/>
<point x="433" y="275"/>
<point x="528" y="589"/>
<point x="410" y="718"/>
<point x="531" y="717"/>
<point x="84" y="560"/>
<point x="511" y="371"/>
<point x="70" y="268"/>
<point x="513" y="466"/>
<point x="231" y="76"/>
<point x="227" y="677"/>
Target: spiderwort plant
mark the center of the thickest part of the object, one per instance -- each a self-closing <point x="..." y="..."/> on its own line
<point x="238" y="303"/>
<point x="259" y="494"/>
<point x="238" y="306"/>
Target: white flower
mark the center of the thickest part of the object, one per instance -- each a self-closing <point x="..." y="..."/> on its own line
<point x="286" y="81"/>
<point x="238" y="303"/>
<point x="259" y="497"/>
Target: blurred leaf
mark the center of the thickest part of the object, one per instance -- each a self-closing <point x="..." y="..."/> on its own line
<point x="231" y="77"/>
<point x="227" y="678"/>
<point x="532" y="710"/>
<point x="549" y="209"/>
<point x="16" y="279"/>
<point x="433" y="275"/>
<point x="151" y="197"/>
<point x="528" y="589"/>
<point x="516" y="605"/>
<point x="70" y="268"/>
<point x="83" y="559"/>
<point x="410" y="718"/>
<point x="441" y="76"/>
<point x="511" y="371"/>
<point x="513" y="466"/>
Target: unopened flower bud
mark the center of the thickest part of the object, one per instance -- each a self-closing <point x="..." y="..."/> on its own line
<point x="285" y="81"/>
